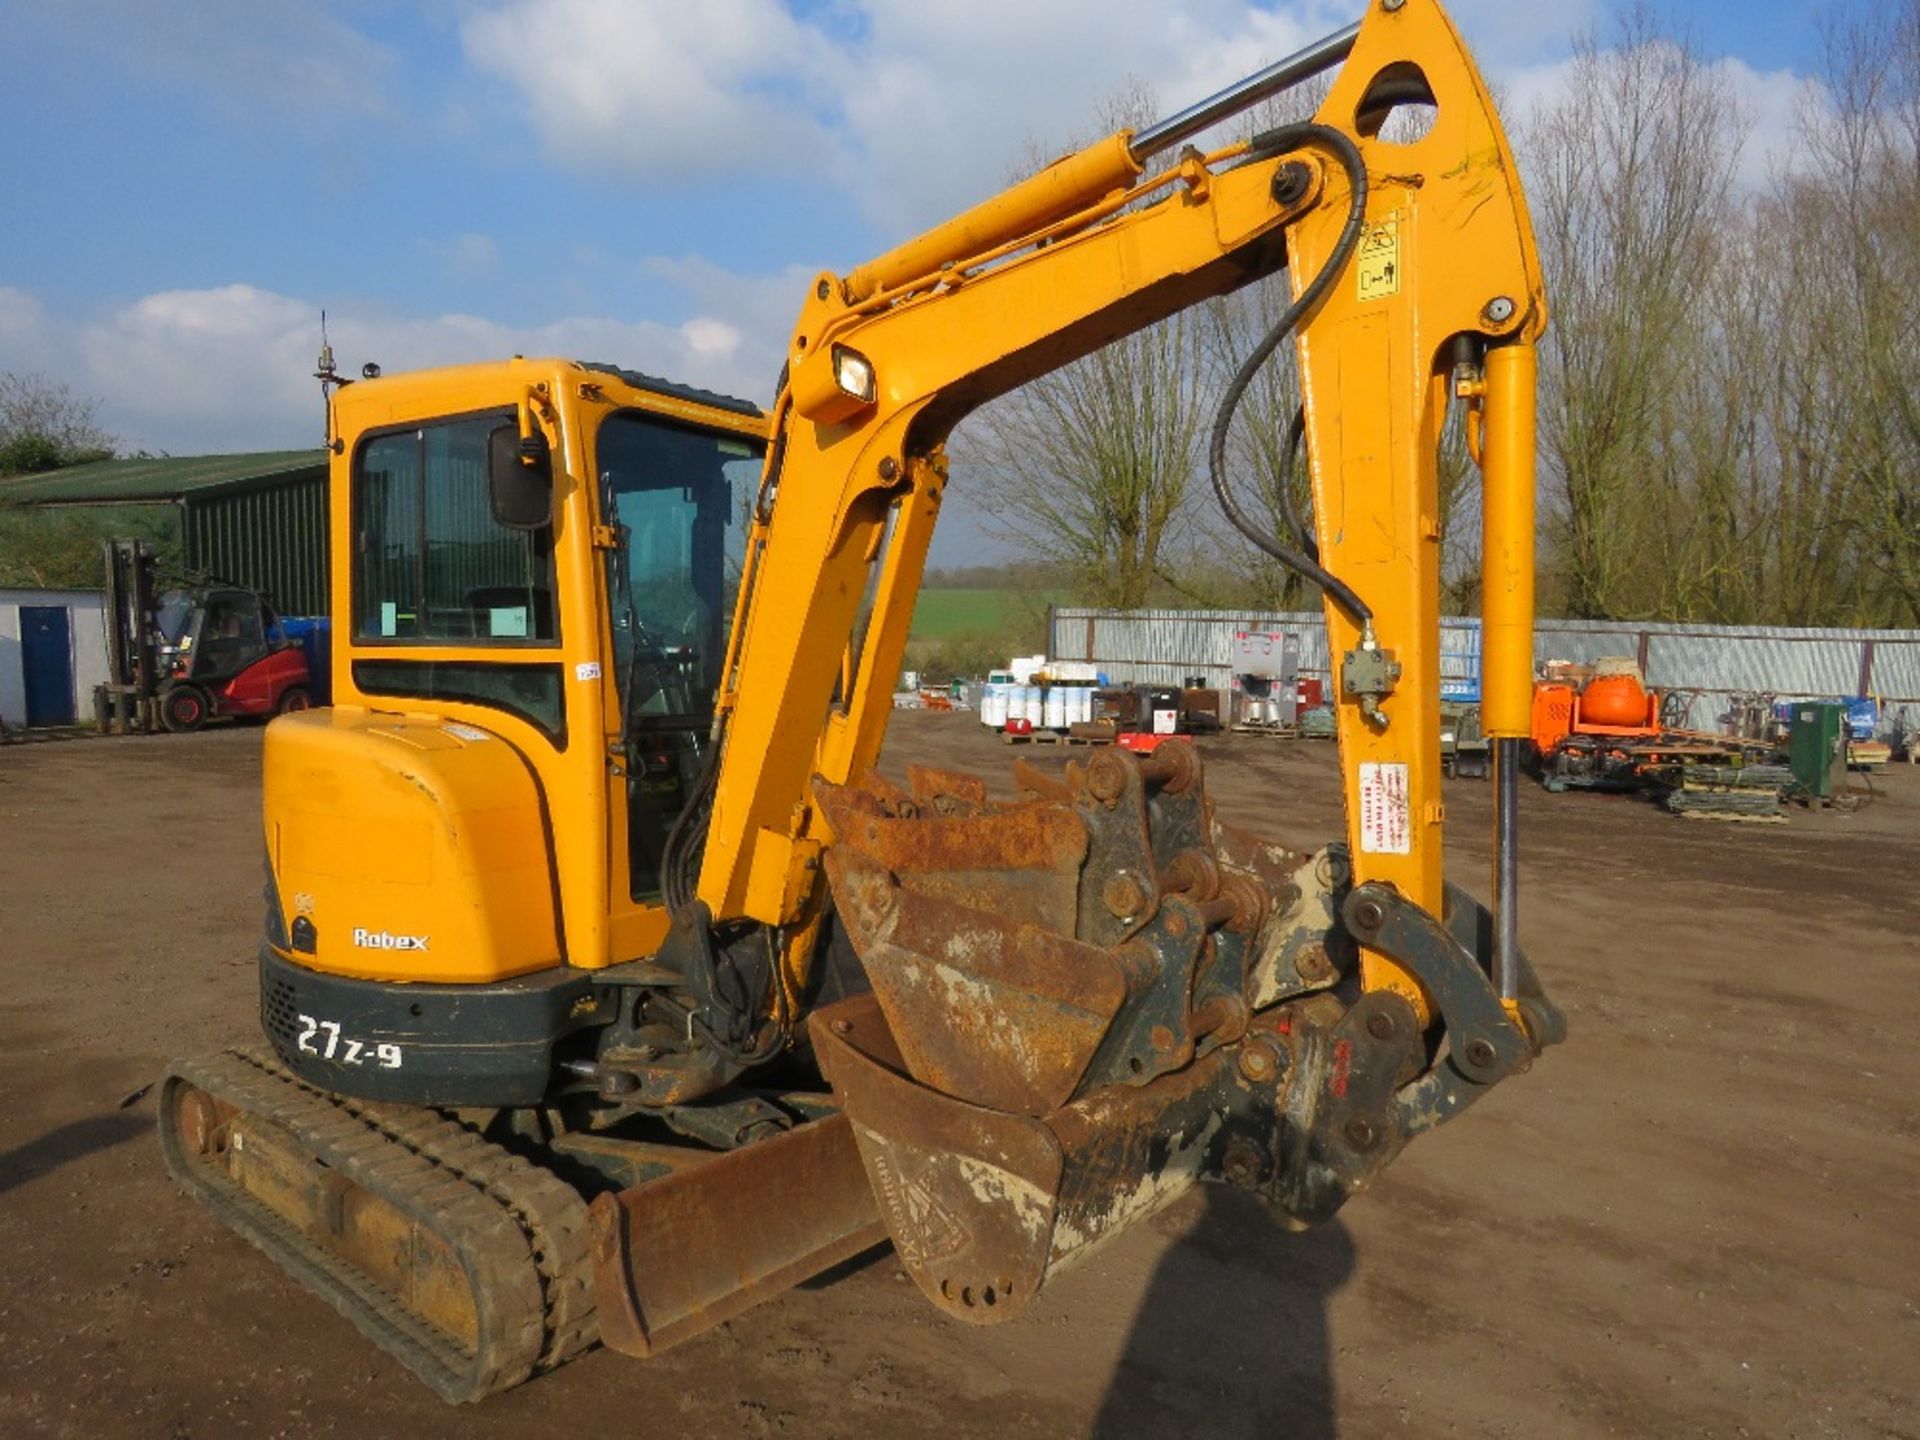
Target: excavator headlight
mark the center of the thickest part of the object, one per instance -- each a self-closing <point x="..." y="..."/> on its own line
<point x="853" y="373"/>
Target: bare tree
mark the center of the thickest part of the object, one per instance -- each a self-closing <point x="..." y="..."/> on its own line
<point x="1798" y="363"/>
<point x="1091" y="468"/>
<point x="1630" y="174"/>
<point x="1869" y="186"/>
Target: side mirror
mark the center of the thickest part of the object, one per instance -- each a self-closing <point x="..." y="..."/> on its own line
<point x="520" y="479"/>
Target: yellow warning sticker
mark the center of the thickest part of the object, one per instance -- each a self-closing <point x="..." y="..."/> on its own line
<point x="1379" y="258"/>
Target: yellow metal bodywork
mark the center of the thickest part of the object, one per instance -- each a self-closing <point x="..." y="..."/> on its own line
<point x="410" y="844"/>
<point x="357" y="788"/>
<point x="1064" y="187"/>
<point x="1447" y="250"/>
<point x="1507" y="503"/>
<point x="1447" y="236"/>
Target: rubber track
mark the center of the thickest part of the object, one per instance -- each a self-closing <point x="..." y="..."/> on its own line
<point x="521" y="1232"/>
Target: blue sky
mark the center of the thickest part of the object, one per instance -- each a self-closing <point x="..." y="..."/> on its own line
<point x="648" y="181"/>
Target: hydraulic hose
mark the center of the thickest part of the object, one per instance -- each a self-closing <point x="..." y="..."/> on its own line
<point x="686" y="843"/>
<point x="1273" y="142"/>
<point x="1296" y="432"/>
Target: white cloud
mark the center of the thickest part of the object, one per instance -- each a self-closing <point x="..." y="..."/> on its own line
<point x="204" y="370"/>
<point x="1506" y="33"/>
<point x="1773" y="108"/>
<point x="912" y="109"/>
<point x="708" y="336"/>
<point x="230" y="368"/>
<point x="674" y="90"/>
<point x="22" y="318"/>
<point x="467" y="254"/>
<point x="763" y="307"/>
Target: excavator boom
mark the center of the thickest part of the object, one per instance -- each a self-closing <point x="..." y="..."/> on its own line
<point x="1077" y="1009"/>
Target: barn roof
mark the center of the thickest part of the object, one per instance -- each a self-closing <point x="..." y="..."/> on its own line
<point x="166" y="478"/>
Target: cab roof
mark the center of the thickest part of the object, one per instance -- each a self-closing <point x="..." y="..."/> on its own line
<point x="640" y="381"/>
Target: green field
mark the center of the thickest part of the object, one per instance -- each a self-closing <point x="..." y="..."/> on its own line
<point x="945" y="614"/>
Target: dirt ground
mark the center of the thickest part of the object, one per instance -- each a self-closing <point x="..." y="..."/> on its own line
<point x="1699" y="1217"/>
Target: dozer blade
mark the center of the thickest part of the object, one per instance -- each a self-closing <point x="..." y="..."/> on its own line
<point x="678" y="1255"/>
<point x="465" y="1263"/>
<point x="1086" y="1001"/>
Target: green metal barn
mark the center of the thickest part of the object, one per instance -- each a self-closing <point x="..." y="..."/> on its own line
<point x="254" y="520"/>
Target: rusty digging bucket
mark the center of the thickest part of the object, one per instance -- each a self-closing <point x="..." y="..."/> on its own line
<point x="1086" y="1000"/>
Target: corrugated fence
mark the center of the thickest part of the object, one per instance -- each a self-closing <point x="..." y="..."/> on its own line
<point x="1164" y="647"/>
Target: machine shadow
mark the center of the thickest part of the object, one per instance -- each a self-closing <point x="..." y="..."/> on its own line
<point x="67" y="1142"/>
<point x="853" y="1265"/>
<point x="1232" y="1338"/>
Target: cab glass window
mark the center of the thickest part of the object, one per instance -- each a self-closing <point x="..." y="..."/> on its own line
<point x="678" y="499"/>
<point x="431" y="566"/>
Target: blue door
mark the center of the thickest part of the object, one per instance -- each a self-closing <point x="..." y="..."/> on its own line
<point x="46" y="661"/>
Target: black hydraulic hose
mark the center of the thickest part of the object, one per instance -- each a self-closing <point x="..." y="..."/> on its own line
<point x="1296" y="432"/>
<point x="1273" y="142"/>
<point x="686" y="843"/>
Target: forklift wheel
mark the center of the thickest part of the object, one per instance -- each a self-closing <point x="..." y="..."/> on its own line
<point x="294" y="697"/>
<point x="184" y="708"/>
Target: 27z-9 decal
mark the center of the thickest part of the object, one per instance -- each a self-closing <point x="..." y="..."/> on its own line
<point x="324" y="1038"/>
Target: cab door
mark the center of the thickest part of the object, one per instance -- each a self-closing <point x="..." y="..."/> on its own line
<point x="674" y="497"/>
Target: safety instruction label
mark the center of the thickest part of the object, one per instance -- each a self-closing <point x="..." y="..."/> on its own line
<point x="1378" y="260"/>
<point x="1386" y="822"/>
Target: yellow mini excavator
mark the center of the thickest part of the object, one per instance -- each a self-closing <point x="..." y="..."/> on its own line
<point x="609" y="990"/>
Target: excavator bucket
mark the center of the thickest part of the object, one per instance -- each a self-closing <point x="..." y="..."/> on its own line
<point x="1086" y="1000"/>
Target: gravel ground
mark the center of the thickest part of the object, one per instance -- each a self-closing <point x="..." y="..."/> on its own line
<point x="1699" y="1217"/>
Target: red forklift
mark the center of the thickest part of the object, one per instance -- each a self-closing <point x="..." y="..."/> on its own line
<point x="188" y="654"/>
<point x="224" y="652"/>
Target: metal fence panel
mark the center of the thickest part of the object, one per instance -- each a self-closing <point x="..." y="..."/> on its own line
<point x="1738" y="662"/>
<point x="1166" y="646"/>
<point x="1896" y="669"/>
<point x="1582" y="642"/>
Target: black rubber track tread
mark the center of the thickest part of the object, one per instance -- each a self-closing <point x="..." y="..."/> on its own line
<point x="521" y="1232"/>
<point x="549" y="1212"/>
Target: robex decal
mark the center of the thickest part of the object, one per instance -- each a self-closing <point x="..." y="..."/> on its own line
<point x="384" y="940"/>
